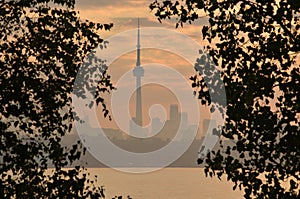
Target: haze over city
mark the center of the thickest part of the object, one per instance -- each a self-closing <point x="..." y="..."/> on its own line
<point x="149" y="99"/>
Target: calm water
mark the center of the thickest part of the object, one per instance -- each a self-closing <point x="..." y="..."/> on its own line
<point x="169" y="183"/>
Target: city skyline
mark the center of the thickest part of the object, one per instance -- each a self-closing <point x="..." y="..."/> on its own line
<point x="156" y="98"/>
<point x="136" y="123"/>
<point x="124" y="17"/>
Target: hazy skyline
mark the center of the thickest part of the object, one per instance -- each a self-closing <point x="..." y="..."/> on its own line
<point x="124" y="15"/>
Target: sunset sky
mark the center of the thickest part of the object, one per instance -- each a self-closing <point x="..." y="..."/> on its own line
<point x="124" y="14"/>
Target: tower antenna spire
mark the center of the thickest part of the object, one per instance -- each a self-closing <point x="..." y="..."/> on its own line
<point x="138" y="60"/>
<point x="138" y="72"/>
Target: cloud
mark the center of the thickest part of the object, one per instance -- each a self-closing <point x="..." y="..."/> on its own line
<point x="123" y="15"/>
<point x="96" y="4"/>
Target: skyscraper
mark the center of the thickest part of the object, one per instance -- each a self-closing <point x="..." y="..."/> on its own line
<point x="138" y="72"/>
<point x="174" y="113"/>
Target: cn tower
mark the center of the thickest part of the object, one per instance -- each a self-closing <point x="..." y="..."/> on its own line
<point x="138" y="72"/>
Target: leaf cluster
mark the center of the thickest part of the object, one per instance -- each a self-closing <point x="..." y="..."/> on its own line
<point x="43" y="44"/>
<point x="255" y="45"/>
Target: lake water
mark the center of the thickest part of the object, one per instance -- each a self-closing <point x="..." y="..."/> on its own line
<point x="168" y="183"/>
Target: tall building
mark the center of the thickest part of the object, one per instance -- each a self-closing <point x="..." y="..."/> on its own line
<point x="137" y="122"/>
<point x="184" y="120"/>
<point x="156" y="125"/>
<point x="172" y="126"/>
<point x="174" y="113"/>
<point x="208" y="126"/>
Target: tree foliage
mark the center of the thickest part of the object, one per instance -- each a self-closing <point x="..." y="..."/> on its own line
<point x="42" y="45"/>
<point x="255" y="45"/>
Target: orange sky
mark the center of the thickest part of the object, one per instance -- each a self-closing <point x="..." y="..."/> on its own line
<point x="124" y="15"/>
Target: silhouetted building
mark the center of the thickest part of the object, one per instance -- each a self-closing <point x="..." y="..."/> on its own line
<point x="114" y="134"/>
<point x="174" y="114"/>
<point x="178" y="122"/>
<point x="208" y="126"/>
<point x="136" y="124"/>
<point x="156" y="125"/>
<point x="184" y="120"/>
